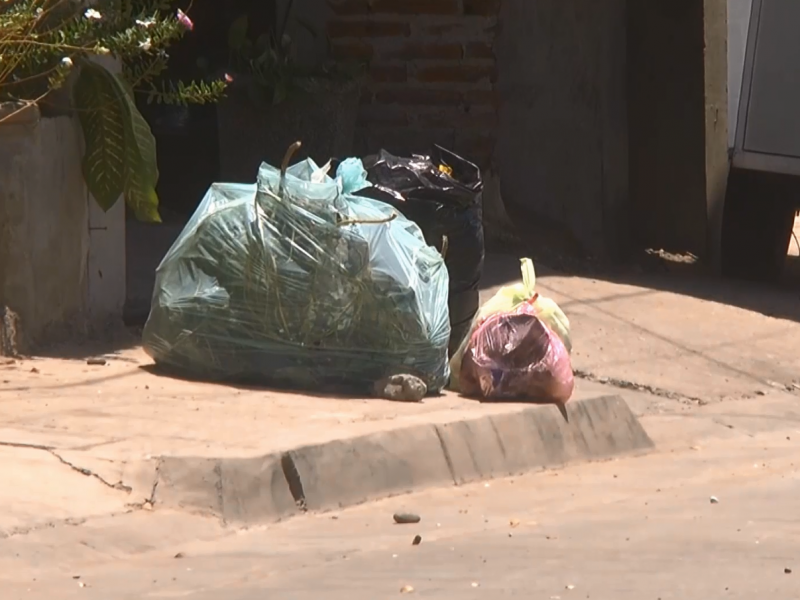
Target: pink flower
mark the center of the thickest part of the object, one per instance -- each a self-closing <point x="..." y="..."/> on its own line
<point x="184" y="20"/>
<point x="228" y="78"/>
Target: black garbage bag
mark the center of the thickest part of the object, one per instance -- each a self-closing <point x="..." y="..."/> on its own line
<point x="442" y="193"/>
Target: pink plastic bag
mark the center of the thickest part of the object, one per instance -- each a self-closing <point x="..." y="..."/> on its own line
<point x="516" y="356"/>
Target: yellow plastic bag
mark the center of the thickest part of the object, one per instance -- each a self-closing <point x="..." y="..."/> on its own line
<point x="507" y="299"/>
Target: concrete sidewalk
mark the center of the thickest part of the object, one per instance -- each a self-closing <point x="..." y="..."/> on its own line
<point x="79" y="441"/>
<point x="118" y="436"/>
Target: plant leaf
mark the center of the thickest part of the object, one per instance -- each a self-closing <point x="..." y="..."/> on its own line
<point x="125" y="131"/>
<point x="308" y="26"/>
<point x="141" y="165"/>
<point x="101" y="112"/>
<point x="142" y="138"/>
<point x="142" y="200"/>
<point x="237" y="34"/>
<point x="262" y="43"/>
<point x="280" y="91"/>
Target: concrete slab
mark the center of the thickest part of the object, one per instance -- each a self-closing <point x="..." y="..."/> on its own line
<point x="347" y="472"/>
<point x="351" y="471"/>
<point x="38" y="489"/>
<point x="223" y="450"/>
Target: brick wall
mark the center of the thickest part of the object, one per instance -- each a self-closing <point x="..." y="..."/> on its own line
<point x="431" y="72"/>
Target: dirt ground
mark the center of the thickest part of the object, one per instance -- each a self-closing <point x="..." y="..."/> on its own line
<point x="669" y="344"/>
<point x="675" y="343"/>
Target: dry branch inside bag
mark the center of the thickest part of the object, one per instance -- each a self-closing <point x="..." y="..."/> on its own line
<point x="295" y="282"/>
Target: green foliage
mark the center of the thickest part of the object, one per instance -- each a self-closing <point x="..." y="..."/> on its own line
<point x="270" y="59"/>
<point x="43" y="41"/>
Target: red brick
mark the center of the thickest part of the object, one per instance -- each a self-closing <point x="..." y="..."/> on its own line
<point x="478" y="50"/>
<point x="367" y="96"/>
<point x="481" y="7"/>
<point x="388" y="73"/>
<point x="441" y="28"/>
<point x="459" y="119"/>
<point x="456" y="74"/>
<point x="481" y="98"/>
<point x="463" y="27"/>
<point x="375" y="29"/>
<point x="416" y="7"/>
<point x="475" y="146"/>
<point x="349" y="7"/>
<point x="407" y="140"/>
<point x="352" y="51"/>
<point x="382" y="115"/>
<point x="423" y="51"/>
<point x="417" y="96"/>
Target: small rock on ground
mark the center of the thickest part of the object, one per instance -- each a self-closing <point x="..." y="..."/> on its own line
<point x="406" y="518"/>
<point x="401" y="388"/>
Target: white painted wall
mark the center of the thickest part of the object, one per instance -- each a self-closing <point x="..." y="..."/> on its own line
<point x="106" y="263"/>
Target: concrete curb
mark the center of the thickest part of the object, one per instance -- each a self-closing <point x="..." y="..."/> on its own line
<point x="347" y="472"/>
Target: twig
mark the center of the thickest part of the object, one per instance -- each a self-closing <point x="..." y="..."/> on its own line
<point x="391" y="217"/>
<point x="285" y="165"/>
<point x="25" y="105"/>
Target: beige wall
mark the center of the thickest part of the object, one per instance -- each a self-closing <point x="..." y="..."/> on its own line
<point x="562" y="150"/>
<point x="56" y="272"/>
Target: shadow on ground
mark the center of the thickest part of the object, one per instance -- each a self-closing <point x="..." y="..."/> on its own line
<point x="147" y="244"/>
<point x="780" y="300"/>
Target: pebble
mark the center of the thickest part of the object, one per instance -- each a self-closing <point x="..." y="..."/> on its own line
<point x="406" y="589"/>
<point x="97" y="362"/>
<point x="788" y="571"/>
<point x="406" y="518"/>
<point x="714" y="500"/>
<point x="417" y="540"/>
<point x="401" y="388"/>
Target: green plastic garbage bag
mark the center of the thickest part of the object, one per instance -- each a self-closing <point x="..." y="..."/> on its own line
<point x="297" y="283"/>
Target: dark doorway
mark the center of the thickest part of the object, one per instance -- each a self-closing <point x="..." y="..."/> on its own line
<point x="186" y="139"/>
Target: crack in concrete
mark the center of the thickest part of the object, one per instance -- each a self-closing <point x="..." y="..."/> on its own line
<point x="27" y="446"/>
<point x="637" y="387"/>
<point x="670" y="395"/>
<point x="119" y="486"/>
<point x="152" y="499"/>
<point x="16" y="531"/>
<point x="292" y="476"/>
<point x="89" y="473"/>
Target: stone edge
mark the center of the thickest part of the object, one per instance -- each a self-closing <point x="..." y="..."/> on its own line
<point x="348" y="472"/>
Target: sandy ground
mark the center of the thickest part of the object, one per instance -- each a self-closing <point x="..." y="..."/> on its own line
<point x="716" y="520"/>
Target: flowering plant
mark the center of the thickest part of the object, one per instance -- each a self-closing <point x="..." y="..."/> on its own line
<point x="44" y="44"/>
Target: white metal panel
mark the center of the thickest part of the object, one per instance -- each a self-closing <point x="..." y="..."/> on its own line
<point x="773" y="117"/>
<point x="738" y="27"/>
<point x="768" y="125"/>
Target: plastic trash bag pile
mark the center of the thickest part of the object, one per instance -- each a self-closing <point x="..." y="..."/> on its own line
<point x="295" y="281"/>
<point x="518" y="348"/>
<point x="443" y="194"/>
